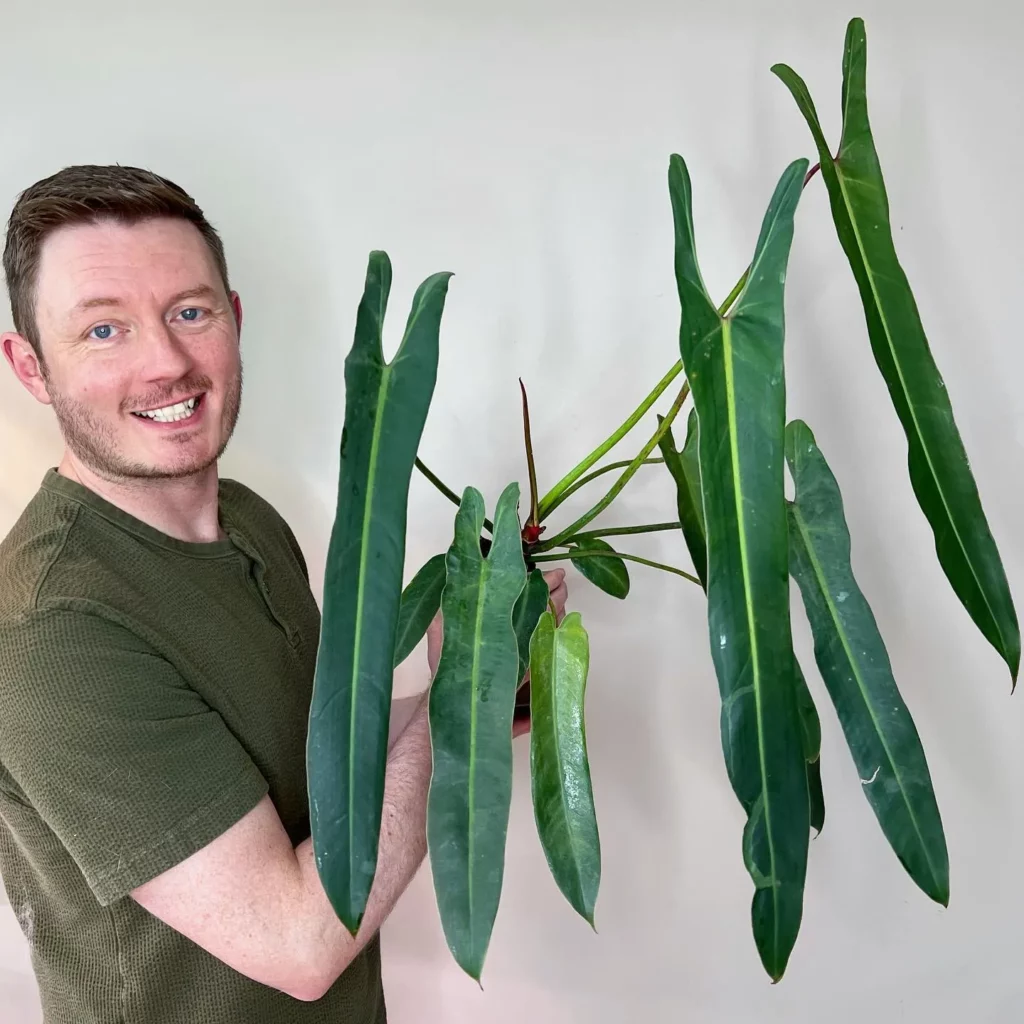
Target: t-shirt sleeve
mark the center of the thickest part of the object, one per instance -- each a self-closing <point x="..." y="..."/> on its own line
<point x="125" y="762"/>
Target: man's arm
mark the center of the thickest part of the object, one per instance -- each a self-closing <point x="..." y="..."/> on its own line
<point x="256" y="903"/>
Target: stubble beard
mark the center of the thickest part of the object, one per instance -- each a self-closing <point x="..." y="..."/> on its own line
<point x="95" y="442"/>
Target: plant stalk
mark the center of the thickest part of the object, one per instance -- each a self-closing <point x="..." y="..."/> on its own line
<point x="548" y="502"/>
<point x="446" y="490"/>
<point x="534" y="519"/>
<point x="624" y="479"/>
<point x="583" y="480"/>
<point x="573" y="555"/>
<point x="620" y="531"/>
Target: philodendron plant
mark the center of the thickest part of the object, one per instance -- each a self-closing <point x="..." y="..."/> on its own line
<point x="744" y="539"/>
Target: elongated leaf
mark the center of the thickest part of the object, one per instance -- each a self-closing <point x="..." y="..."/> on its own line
<point x="607" y="574"/>
<point x="421" y="600"/>
<point x="471" y="704"/>
<point x="855" y="666"/>
<point x="810" y="731"/>
<point x="385" y="409"/>
<point x="526" y="614"/>
<point x="939" y="470"/>
<point x="563" y="799"/>
<point x="735" y="368"/>
<point x="685" y="469"/>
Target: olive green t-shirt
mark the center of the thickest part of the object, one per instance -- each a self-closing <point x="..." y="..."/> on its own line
<point x="151" y="692"/>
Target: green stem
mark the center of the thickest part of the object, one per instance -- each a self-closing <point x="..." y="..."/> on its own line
<point x="573" y="555"/>
<point x="549" y="499"/>
<point x="619" y="531"/>
<point x="583" y="480"/>
<point x="548" y="502"/>
<point x="624" y="479"/>
<point x="447" y="491"/>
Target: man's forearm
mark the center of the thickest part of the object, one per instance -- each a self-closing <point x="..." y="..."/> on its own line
<point x="403" y="845"/>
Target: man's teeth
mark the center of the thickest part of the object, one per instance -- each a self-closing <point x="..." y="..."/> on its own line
<point x="171" y="413"/>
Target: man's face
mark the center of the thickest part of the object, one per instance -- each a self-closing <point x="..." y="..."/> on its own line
<point x="134" y="320"/>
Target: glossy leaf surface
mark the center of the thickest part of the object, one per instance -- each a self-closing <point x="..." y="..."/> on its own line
<point x="563" y="798"/>
<point x="854" y="663"/>
<point x="939" y="469"/>
<point x="735" y="368"/>
<point x="810" y="731"/>
<point x="421" y="600"/>
<point x="606" y="573"/>
<point x="471" y="707"/>
<point x="385" y="409"/>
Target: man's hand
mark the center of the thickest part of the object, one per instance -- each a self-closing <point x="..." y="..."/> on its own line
<point x="559" y="593"/>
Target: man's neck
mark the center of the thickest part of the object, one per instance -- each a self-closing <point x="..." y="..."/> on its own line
<point x="185" y="508"/>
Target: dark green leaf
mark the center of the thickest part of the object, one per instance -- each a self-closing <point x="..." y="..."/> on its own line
<point x="607" y="574"/>
<point x="420" y="601"/>
<point x="385" y="408"/>
<point x="685" y="469"/>
<point x="735" y="367"/>
<point x="563" y="800"/>
<point x="855" y="666"/>
<point x="939" y="470"/>
<point x="526" y="614"/>
<point x="816" y="795"/>
<point x="810" y="731"/>
<point x="471" y="704"/>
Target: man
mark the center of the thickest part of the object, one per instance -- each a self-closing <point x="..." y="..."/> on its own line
<point x="157" y="647"/>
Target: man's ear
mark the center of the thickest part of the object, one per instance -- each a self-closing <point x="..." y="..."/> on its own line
<point x="236" y="308"/>
<point x="27" y="366"/>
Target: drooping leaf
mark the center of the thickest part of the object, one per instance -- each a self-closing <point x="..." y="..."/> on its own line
<point x="855" y="666"/>
<point x="939" y="470"/>
<point x="420" y="601"/>
<point x="470" y="711"/>
<point x="606" y="573"/>
<point x="810" y="731"/>
<point x="685" y="469"/>
<point x="735" y="367"/>
<point x="526" y="614"/>
<point x="385" y="409"/>
<point x="563" y="799"/>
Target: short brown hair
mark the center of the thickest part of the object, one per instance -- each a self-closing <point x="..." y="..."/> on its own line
<point x="87" y="194"/>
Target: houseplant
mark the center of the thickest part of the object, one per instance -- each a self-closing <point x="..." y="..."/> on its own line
<point x="745" y="540"/>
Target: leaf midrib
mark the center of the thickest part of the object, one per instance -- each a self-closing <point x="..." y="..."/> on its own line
<point x="819" y="575"/>
<point x="371" y="482"/>
<point x="730" y="389"/>
<point x="474" y="677"/>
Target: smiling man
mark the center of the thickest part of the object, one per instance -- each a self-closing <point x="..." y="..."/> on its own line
<point x="158" y="641"/>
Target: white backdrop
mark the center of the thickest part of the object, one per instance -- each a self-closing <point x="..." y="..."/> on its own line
<point x="525" y="147"/>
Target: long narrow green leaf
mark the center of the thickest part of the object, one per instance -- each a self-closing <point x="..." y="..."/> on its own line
<point x="606" y="573"/>
<point x="735" y="367"/>
<point x="526" y="614"/>
<point x="685" y="469"/>
<point x="563" y="799"/>
<point x="939" y="470"/>
<point x="385" y="409"/>
<point x="421" y="600"/>
<point x="471" y="706"/>
<point x="855" y="666"/>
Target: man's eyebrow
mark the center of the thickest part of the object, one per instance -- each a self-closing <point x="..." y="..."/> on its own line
<point x="201" y="291"/>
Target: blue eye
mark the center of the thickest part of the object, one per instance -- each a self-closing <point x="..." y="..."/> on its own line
<point x="102" y="332"/>
<point x="192" y="314"/>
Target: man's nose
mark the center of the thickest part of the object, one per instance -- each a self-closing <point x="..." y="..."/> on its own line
<point x="165" y="356"/>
